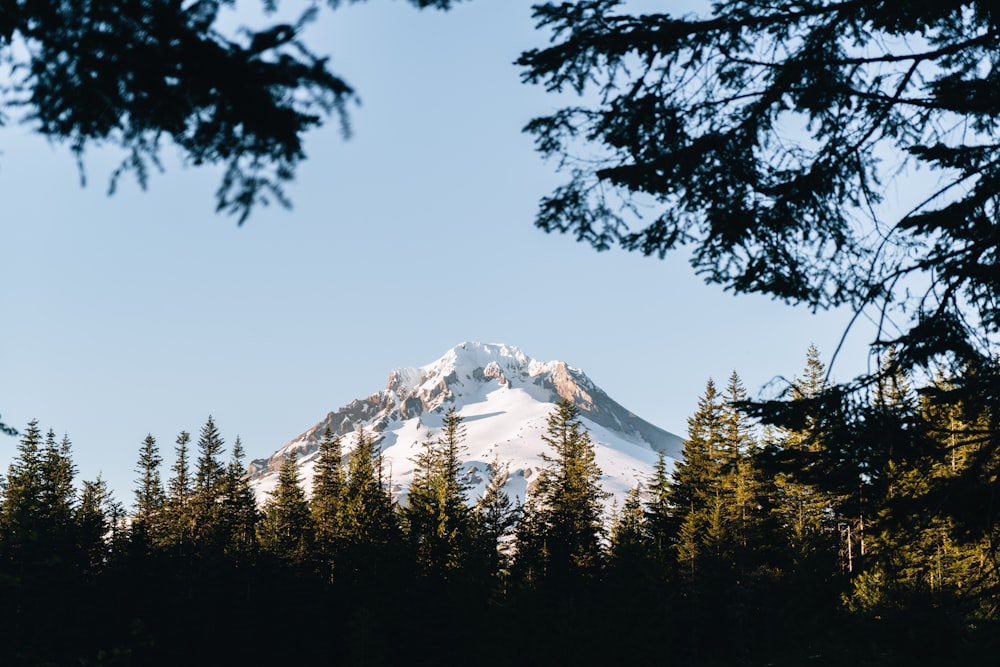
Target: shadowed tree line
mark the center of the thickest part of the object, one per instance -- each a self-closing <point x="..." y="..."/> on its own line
<point x="748" y="552"/>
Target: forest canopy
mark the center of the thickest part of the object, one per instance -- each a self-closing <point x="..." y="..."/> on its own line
<point x="714" y="560"/>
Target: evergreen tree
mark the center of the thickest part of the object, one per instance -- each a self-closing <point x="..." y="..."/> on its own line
<point x="494" y="518"/>
<point x="695" y="492"/>
<point x="743" y="484"/>
<point x="149" y="496"/>
<point x="368" y="523"/>
<point x="179" y="519"/>
<point x="436" y="515"/>
<point x="57" y="498"/>
<point x="868" y="481"/>
<point x="97" y="525"/>
<point x="41" y="558"/>
<point x="22" y="499"/>
<point x="286" y="530"/>
<point x="955" y="556"/>
<point x="58" y="495"/>
<point x="530" y="566"/>
<point x="240" y="513"/>
<point x="801" y="507"/>
<point x="180" y="482"/>
<point x="208" y="493"/>
<point x="660" y="525"/>
<point x="209" y="470"/>
<point x="38" y="502"/>
<point x="629" y="550"/>
<point x="328" y="490"/>
<point x="919" y="555"/>
<point x="714" y="500"/>
<point x="561" y="541"/>
<point x="815" y="542"/>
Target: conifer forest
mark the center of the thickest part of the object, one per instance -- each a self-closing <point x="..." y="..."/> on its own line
<point x="764" y="545"/>
<point x="853" y="523"/>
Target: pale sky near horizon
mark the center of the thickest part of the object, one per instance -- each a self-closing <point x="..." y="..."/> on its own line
<point x="146" y="312"/>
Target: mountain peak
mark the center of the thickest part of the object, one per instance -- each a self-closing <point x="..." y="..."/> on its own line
<point x="468" y="356"/>
<point x="468" y="359"/>
<point x="505" y="397"/>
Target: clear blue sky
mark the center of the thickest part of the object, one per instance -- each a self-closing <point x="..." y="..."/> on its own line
<point x="146" y="312"/>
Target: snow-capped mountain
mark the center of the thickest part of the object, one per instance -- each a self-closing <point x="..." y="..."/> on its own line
<point x="504" y="398"/>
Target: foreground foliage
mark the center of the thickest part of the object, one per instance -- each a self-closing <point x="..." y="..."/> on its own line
<point x="142" y="75"/>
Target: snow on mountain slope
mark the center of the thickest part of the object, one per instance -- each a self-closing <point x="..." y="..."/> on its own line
<point x="504" y="398"/>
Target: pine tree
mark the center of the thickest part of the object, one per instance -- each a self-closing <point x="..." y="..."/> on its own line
<point x="209" y="470"/>
<point x="695" y="493"/>
<point x="494" y="518"/>
<point x="561" y="541"/>
<point x="22" y="499"/>
<point x="208" y="493"/>
<point x="58" y="494"/>
<point x="58" y="497"/>
<point x="629" y="551"/>
<point x="436" y="515"/>
<point x="918" y="551"/>
<point x="368" y="523"/>
<point x="660" y="525"/>
<point x="530" y="566"/>
<point x="180" y="482"/>
<point x="894" y="413"/>
<point x="239" y="511"/>
<point x="328" y="490"/>
<point x="805" y="511"/>
<point x="955" y="556"/>
<point x="713" y="513"/>
<point x="743" y="484"/>
<point x="150" y="498"/>
<point x="97" y="525"/>
<point x="179" y="517"/>
<point x="286" y="530"/>
<point x="36" y="516"/>
<point x="714" y="502"/>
